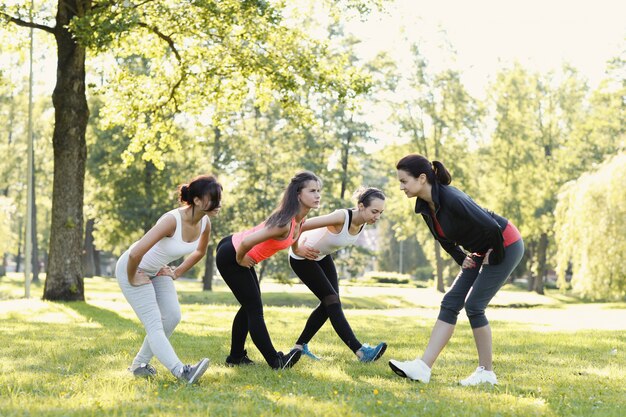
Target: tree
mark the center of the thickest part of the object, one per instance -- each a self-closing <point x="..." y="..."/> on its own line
<point x="13" y="131"/>
<point x="542" y="139"/>
<point x="440" y="117"/>
<point x="197" y="51"/>
<point x="64" y="275"/>
<point x="592" y="243"/>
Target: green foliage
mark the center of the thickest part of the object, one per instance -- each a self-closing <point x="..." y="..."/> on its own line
<point x="439" y="117"/>
<point x="545" y="135"/>
<point x="352" y="261"/>
<point x="387" y="277"/>
<point x="203" y="59"/>
<point x="590" y="224"/>
<point x="126" y="201"/>
<point x="13" y="134"/>
<point x="404" y="256"/>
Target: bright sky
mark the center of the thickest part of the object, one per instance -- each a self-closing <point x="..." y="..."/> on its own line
<point x="488" y="34"/>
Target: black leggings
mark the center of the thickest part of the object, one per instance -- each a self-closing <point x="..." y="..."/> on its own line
<point x="321" y="278"/>
<point x="244" y="284"/>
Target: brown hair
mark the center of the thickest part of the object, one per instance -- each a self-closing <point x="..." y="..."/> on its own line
<point x="201" y="186"/>
<point x="417" y="165"/>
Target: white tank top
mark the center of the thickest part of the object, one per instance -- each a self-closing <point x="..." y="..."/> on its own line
<point x="169" y="249"/>
<point x="326" y="241"/>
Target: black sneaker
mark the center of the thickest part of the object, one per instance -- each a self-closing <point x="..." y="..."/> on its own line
<point x="191" y="373"/>
<point x="243" y="360"/>
<point x="288" y="360"/>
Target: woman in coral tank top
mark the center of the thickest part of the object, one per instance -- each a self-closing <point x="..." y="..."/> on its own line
<point x="239" y="253"/>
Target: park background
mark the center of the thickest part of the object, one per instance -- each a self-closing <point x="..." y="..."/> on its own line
<point x="524" y="104"/>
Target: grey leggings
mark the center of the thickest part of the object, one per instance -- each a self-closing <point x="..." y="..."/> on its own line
<point x="481" y="283"/>
<point x="157" y="307"/>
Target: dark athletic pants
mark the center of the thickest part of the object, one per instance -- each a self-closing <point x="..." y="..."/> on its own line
<point x="244" y="284"/>
<point x="321" y="278"/>
<point x="484" y="281"/>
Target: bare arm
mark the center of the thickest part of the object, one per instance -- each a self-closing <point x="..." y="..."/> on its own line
<point x="336" y="218"/>
<point x="255" y="238"/>
<point x="164" y="228"/>
<point x="193" y="258"/>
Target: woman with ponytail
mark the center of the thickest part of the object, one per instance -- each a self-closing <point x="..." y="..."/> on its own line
<point x="487" y="247"/>
<point x="311" y="259"/>
<point x="147" y="281"/>
<point x="239" y="253"/>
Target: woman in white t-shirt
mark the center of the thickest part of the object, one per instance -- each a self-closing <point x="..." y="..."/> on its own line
<point x="310" y="258"/>
<point x="147" y="281"/>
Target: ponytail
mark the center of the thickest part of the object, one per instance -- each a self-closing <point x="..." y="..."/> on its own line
<point x="417" y="165"/>
<point x="201" y="187"/>
<point x="441" y="173"/>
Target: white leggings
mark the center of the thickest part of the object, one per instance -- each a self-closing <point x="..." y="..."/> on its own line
<point x="157" y="307"/>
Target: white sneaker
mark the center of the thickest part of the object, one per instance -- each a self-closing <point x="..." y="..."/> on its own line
<point x="416" y="370"/>
<point x="480" y="376"/>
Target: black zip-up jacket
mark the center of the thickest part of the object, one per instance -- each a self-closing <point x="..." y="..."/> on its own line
<point x="464" y="223"/>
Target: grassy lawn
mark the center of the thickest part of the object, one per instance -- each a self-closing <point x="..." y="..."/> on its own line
<point x="70" y="359"/>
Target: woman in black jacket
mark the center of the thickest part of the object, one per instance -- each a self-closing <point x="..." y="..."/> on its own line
<point x="487" y="247"/>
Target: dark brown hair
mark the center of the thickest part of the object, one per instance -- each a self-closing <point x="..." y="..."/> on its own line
<point x="290" y="205"/>
<point x="366" y="195"/>
<point x="201" y="186"/>
<point x="417" y="165"/>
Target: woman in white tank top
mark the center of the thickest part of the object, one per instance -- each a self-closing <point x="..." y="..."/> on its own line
<point x="147" y="281"/>
<point x="310" y="258"/>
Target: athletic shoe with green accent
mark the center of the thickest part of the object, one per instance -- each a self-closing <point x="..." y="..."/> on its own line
<point x="370" y="354"/>
<point x="307" y="352"/>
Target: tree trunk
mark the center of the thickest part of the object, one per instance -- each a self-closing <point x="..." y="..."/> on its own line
<point x="209" y="262"/>
<point x="542" y="250"/>
<point x="35" y="246"/>
<point x="439" y="263"/>
<point x="96" y="262"/>
<point x="207" y="279"/>
<point x="64" y="280"/>
<point x="530" y="252"/>
<point x="345" y="158"/>
<point x="148" y="176"/>
<point x="88" y="255"/>
<point x="18" y="258"/>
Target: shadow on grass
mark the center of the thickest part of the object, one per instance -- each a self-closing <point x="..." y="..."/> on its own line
<point x="182" y="342"/>
<point x="107" y="318"/>
<point x="279" y="299"/>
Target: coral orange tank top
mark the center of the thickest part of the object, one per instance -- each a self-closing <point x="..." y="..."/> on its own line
<point x="265" y="249"/>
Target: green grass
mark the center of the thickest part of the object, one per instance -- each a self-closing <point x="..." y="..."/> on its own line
<point x="70" y="359"/>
